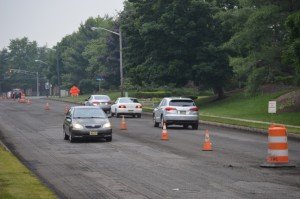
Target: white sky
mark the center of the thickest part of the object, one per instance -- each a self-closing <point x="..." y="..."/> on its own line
<point x="48" y="21"/>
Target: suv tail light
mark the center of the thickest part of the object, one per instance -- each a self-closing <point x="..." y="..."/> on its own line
<point x="170" y="109"/>
<point x="139" y="106"/>
<point x="122" y="106"/>
<point x="194" y="109"/>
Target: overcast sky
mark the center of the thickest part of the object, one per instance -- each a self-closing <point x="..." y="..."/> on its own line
<point x="48" y="21"/>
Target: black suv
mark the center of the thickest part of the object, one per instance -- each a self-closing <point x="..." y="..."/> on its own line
<point x="16" y="93"/>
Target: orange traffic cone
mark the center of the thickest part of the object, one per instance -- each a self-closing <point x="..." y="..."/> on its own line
<point x="47" y="107"/>
<point x="28" y="101"/>
<point x="164" y="133"/>
<point x="207" y="145"/>
<point x="67" y="109"/>
<point x="277" y="148"/>
<point x="123" y="125"/>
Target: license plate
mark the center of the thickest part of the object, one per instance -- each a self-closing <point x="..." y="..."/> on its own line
<point x="93" y="133"/>
<point x="130" y="110"/>
<point x="182" y="112"/>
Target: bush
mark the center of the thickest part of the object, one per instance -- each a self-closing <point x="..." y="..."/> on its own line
<point x="87" y="86"/>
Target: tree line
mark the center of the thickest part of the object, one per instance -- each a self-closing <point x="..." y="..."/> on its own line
<point x="213" y="44"/>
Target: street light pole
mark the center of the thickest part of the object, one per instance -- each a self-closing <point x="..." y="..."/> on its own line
<point x="121" y="60"/>
<point x="37" y="84"/>
<point x="121" y="64"/>
<point x="58" y="74"/>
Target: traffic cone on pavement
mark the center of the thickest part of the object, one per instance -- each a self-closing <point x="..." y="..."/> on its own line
<point x="47" y="107"/>
<point x="164" y="133"/>
<point x="207" y="145"/>
<point x="123" y="125"/>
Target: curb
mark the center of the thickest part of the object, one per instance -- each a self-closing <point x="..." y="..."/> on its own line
<point x="291" y="136"/>
<point x="4" y="146"/>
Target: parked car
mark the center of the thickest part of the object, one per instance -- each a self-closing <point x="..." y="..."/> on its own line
<point x="177" y="111"/>
<point x="102" y="101"/>
<point x="86" y="122"/>
<point x="16" y="93"/>
<point x="127" y="106"/>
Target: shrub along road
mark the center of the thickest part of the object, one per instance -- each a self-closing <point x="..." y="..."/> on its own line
<point x="137" y="164"/>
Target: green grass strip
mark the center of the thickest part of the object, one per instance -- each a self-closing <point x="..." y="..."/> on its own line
<point x="16" y="181"/>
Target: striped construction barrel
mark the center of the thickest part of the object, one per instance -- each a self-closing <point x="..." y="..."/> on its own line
<point x="277" y="144"/>
<point x="278" y="154"/>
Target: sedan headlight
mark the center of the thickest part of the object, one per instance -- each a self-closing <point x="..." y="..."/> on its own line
<point x="107" y="125"/>
<point x="77" y="126"/>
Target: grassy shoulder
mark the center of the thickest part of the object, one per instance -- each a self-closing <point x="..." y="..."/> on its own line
<point x="239" y="106"/>
<point x="16" y="181"/>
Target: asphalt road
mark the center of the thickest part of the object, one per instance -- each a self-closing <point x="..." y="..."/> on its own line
<point x="137" y="164"/>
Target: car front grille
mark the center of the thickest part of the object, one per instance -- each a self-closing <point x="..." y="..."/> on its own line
<point x="92" y="126"/>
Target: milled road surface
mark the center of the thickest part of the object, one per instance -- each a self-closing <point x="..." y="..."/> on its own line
<point x="137" y="164"/>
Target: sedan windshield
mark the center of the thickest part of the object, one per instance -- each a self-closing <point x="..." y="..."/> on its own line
<point x="89" y="113"/>
<point x="182" y="103"/>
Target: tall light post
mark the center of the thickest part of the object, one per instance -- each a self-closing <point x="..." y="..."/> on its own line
<point x="40" y="61"/>
<point x="121" y="61"/>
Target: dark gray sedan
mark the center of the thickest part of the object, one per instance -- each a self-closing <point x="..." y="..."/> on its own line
<point x="86" y="122"/>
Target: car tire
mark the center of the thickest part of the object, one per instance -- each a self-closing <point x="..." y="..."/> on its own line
<point x="156" y="124"/>
<point x="108" y="139"/>
<point x="162" y="121"/>
<point x="66" y="137"/>
<point x="195" y="126"/>
<point x="185" y="126"/>
<point x="71" y="138"/>
<point x="139" y="115"/>
<point x="112" y="114"/>
<point x="117" y="115"/>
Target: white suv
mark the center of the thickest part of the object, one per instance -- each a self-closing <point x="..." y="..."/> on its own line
<point x="178" y="111"/>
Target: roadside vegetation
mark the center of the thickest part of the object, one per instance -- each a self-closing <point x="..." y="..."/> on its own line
<point x="17" y="182"/>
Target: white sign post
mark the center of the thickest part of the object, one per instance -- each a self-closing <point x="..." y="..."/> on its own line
<point x="272" y="107"/>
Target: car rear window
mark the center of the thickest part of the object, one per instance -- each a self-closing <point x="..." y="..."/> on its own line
<point x="101" y="98"/>
<point x="88" y="113"/>
<point x="125" y="100"/>
<point x="181" y="103"/>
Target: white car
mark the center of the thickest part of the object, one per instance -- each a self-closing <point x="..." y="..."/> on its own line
<point x="126" y="106"/>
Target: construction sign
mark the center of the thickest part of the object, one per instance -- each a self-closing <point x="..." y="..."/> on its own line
<point x="74" y="91"/>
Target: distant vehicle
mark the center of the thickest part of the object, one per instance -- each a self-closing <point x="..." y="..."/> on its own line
<point x="127" y="106"/>
<point x="16" y="93"/>
<point x="177" y="111"/>
<point x="103" y="101"/>
<point x="86" y="122"/>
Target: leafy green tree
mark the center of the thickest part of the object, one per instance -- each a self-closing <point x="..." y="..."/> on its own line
<point x="291" y="56"/>
<point x="173" y="42"/>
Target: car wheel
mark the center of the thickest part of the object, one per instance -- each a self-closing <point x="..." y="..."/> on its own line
<point x="139" y="115"/>
<point x="155" y="124"/>
<point x="195" y="126"/>
<point x="108" y="139"/>
<point x="71" y="138"/>
<point x="185" y="126"/>
<point x="112" y="114"/>
<point x="117" y="115"/>
<point x="162" y="121"/>
<point x="66" y="137"/>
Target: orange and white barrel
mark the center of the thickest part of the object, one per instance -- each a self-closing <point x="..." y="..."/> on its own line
<point x="277" y="144"/>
